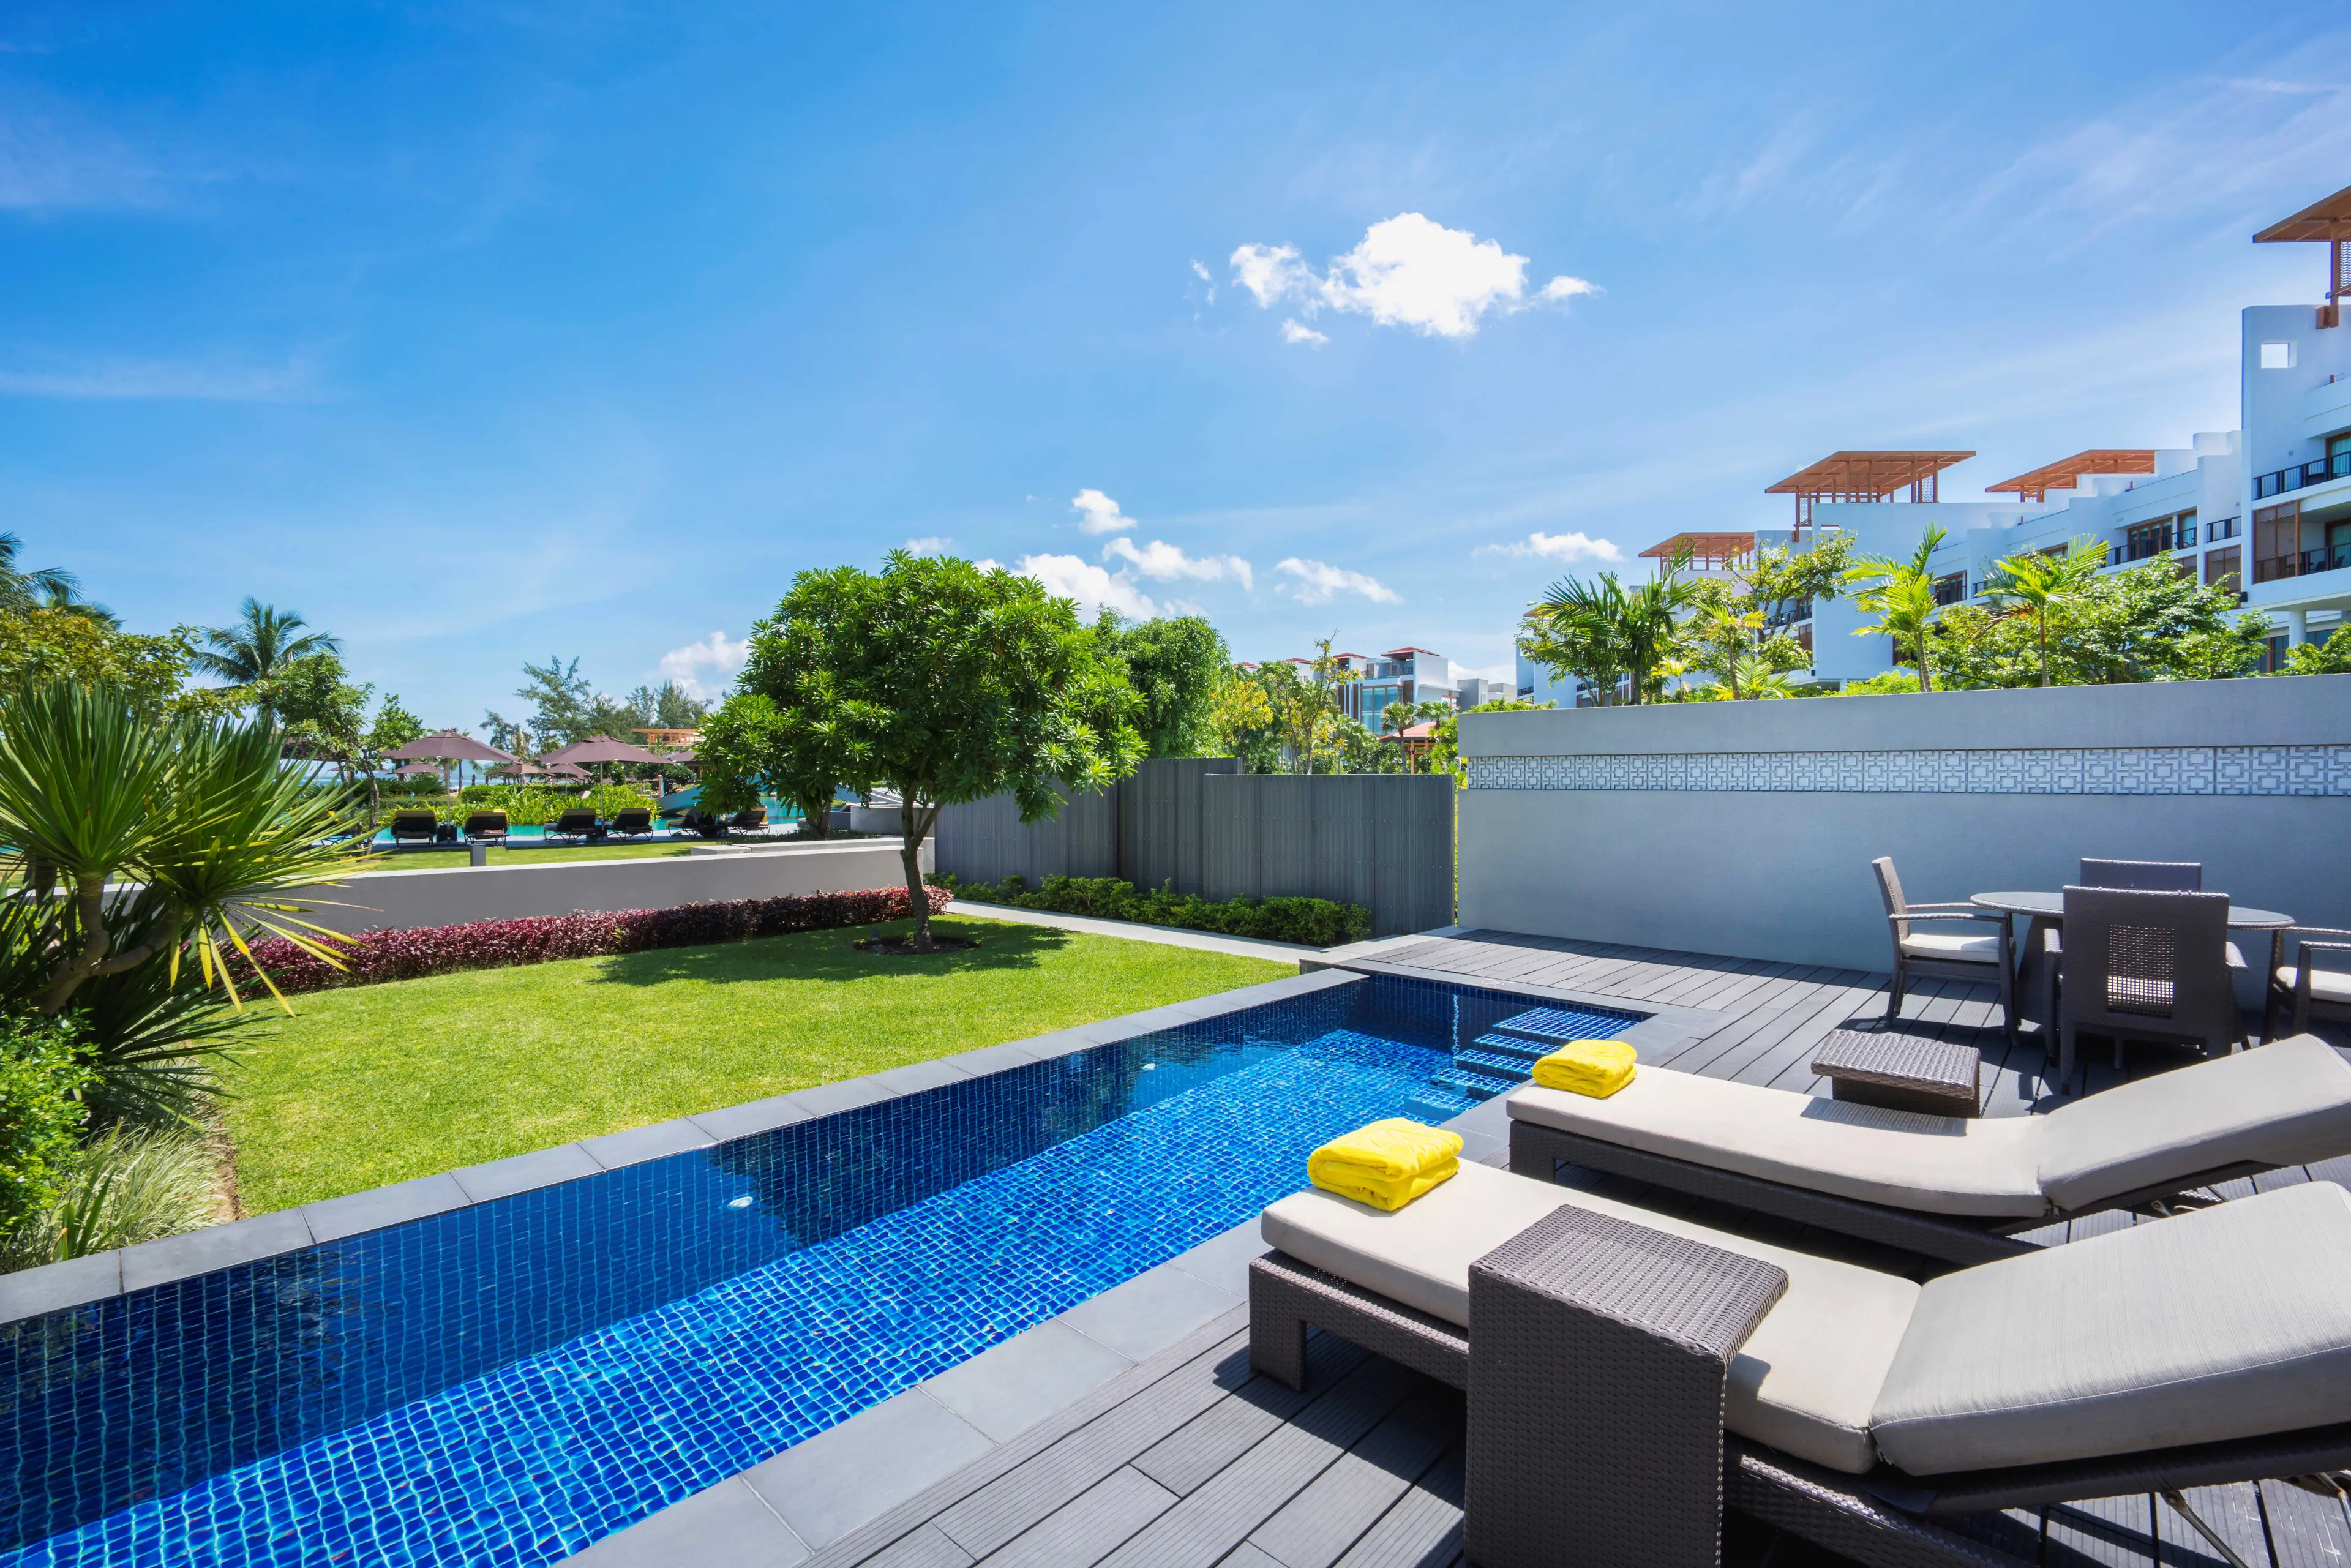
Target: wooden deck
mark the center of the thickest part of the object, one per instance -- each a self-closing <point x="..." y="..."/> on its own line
<point x="1190" y="1460"/>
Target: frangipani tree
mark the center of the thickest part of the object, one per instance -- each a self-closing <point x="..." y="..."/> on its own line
<point x="945" y="684"/>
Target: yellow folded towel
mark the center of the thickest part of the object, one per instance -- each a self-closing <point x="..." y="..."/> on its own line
<point x="1595" y="1067"/>
<point x="1385" y="1165"/>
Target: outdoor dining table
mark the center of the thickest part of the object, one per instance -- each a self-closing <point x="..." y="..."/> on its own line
<point x="2049" y="908"/>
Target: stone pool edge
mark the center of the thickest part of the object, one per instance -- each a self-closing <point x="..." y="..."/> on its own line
<point x="80" y="1282"/>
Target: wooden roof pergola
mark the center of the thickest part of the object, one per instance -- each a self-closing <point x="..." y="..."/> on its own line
<point x="1865" y="476"/>
<point x="1708" y="552"/>
<point x="2066" y="472"/>
<point x="2328" y="222"/>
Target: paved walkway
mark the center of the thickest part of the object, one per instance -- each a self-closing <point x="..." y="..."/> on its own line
<point x="1165" y="935"/>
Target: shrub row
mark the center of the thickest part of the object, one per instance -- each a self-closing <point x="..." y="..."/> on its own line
<point x="380" y="956"/>
<point x="1313" y="921"/>
<point x="525" y="805"/>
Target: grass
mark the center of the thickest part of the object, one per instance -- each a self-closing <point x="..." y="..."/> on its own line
<point x="435" y="860"/>
<point x="381" y="1083"/>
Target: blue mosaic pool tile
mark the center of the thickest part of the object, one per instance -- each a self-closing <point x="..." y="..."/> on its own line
<point x="511" y="1382"/>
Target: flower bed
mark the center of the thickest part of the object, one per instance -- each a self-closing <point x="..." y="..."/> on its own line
<point x="1312" y="922"/>
<point x="380" y="956"/>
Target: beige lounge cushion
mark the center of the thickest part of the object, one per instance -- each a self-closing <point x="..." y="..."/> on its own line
<point x="2280" y="1105"/>
<point x="1952" y="947"/>
<point x="1805" y="1382"/>
<point x="2230" y="1322"/>
<point x="1935" y="1165"/>
<point x="2325" y="984"/>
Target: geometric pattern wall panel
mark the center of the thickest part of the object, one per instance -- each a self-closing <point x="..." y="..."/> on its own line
<point x="2057" y="771"/>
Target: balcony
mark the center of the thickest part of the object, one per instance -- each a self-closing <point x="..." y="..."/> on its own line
<point x="2301" y="475"/>
<point x="2336" y="556"/>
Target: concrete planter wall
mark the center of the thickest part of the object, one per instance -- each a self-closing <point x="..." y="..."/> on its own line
<point x="1747" y="828"/>
<point x="404" y="900"/>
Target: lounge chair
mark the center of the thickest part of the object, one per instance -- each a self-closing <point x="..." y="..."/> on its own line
<point x="1950" y="1188"/>
<point x="414" y="827"/>
<point x="1976" y="952"/>
<point x="2305" y="988"/>
<point x="634" y="822"/>
<point x="575" y="824"/>
<point x="2140" y="965"/>
<point x="1629" y="1373"/>
<point x="487" y="828"/>
<point x="753" y="820"/>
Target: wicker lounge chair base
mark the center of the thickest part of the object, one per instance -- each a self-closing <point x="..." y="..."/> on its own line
<point x="1952" y="1240"/>
<point x="1887" y="1519"/>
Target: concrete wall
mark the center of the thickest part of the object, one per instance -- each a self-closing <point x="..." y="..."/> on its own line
<point x="402" y="900"/>
<point x="1747" y="828"/>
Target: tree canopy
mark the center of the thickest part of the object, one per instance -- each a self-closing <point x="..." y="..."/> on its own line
<point x="947" y="683"/>
<point x="1174" y="665"/>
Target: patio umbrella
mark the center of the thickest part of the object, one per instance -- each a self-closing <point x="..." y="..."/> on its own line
<point x="564" y="770"/>
<point x="446" y="744"/>
<point x="600" y="749"/>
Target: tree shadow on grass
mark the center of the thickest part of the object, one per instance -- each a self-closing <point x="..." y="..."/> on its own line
<point x="833" y="955"/>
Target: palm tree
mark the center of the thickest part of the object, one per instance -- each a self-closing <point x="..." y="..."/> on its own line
<point x="2041" y="582"/>
<point x="1606" y="630"/>
<point x="21" y="589"/>
<point x="1901" y="594"/>
<point x="264" y="640"/>
<point x="65" y="601"/>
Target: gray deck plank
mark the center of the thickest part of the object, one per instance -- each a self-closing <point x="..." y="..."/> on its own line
<point x="1089" y="1527"/>
<point x="2117" y="1531"/>
<point x="2305" y="1531"/>
<point x="1229" y="1506"/>
<point x="2235" y="1513"/>
<point x="1423" y="1528"/>
<point x="1316" y="1527"/>
<point x="1014" y="1502"/>
<point x="1192" y="1456"/>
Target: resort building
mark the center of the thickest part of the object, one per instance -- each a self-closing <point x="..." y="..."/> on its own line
<point x="1402" y="675"/>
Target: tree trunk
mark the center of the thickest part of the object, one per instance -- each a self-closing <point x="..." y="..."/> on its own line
<point x="914" y="826"/>
<point x="816" y="818"/>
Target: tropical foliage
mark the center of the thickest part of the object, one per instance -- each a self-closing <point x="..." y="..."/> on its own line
<point x="2332" y="657"/>
<point x="1175" y="665"/>
<point x="1605" y="633"/>
<point x="1314" y="922"/>
<point x="1901" y="594"/>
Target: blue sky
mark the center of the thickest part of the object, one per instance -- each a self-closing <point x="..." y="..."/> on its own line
<point x="480" y="331"/>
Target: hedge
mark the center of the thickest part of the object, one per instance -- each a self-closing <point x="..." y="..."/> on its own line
<point x="525" y="805"/>
<point x="1312" y="922"/>
<point x="379" y="955"/>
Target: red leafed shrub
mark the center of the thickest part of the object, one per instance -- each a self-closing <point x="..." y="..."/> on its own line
<point x="379" y="955"/>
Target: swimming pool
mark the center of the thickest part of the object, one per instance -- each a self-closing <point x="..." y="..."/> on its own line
<point x="512" y="1381"/>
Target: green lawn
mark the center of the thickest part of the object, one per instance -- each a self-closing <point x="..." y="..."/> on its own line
<point x="380" y="1083"/>
<point x="433" y="859"/>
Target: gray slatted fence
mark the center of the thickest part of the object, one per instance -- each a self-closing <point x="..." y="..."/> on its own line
<point x="1384" y="840"/>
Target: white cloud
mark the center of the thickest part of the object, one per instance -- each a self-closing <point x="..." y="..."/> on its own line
<point x="1200" y="270"/>
<point x="1164" y="563"/>
<point x="1072" y="576"/>
<point x="1098" y="514"/>
<point x="1406" y="271"/>
<point x="1317" y="580"/>
<point x="1577" y="547"/>
<point x="929" y="544"/>
<point x="705" y="669"/>
<point x="1273" y="272"/>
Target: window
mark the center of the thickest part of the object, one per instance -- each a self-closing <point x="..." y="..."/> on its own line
<point x="2226" y="528"/>
<point x="1953" y="589"/>
<point x="2143" y="540"/>
<point x="2277" y="356"/>
<point x="2277" y="541"/>
<point x="2183" y="530"/>
<point x="2224" y="568"/>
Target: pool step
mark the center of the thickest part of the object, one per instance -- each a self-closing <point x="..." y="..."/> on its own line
<point x="1555" y="1027"/>
<point x="1476" y="1086"/>
<point x="1434" y="1105"/>
<point x="1513" y="1070"/>
<point x="1516" y="1046"/>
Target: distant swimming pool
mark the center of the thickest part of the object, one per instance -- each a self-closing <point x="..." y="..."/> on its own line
<point x="513" y="1381"/>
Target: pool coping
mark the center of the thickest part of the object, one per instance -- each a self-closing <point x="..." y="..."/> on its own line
<point x="80" y="1282"/>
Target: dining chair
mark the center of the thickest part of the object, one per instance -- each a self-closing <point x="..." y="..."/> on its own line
<point x="2145" y="965"/>
<point x="2302" y="989"/>
<point x="2148" y="876"/>
<point x="1978" y="956"/>
<point x="2044" y="943"/>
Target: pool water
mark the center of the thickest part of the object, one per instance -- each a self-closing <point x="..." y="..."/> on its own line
<point x="511" y="1382"/>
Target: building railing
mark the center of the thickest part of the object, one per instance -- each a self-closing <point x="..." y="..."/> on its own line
<point x="2308" y="563"/>
<point x="2226" y="528"/>
<point x="2296" y="477"/>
